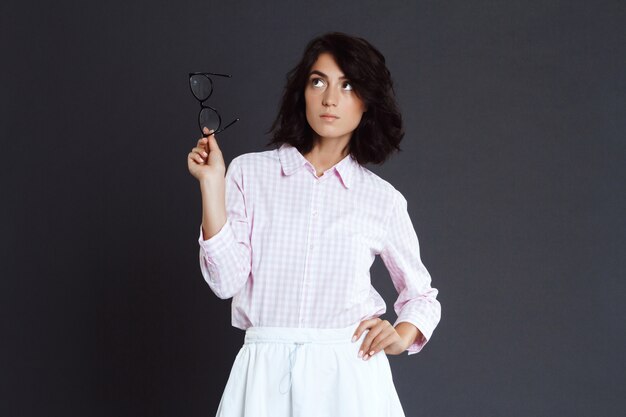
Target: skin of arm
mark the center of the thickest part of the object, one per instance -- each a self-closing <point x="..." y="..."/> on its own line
<point x="213" y="207"/>
<point x="408" y="332"/>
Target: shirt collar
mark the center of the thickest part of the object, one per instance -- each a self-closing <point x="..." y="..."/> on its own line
<point x="291" y="160"/>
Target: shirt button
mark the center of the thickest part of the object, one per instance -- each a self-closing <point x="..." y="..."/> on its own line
<point x="315" y="214"/>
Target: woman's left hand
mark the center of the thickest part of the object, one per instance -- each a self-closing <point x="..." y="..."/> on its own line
<point x="381" y="336"/>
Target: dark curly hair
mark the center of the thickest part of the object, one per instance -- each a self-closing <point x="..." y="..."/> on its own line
<point x="380" y="131"/>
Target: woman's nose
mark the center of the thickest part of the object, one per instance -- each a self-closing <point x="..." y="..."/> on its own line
<point x="329" y="98"/>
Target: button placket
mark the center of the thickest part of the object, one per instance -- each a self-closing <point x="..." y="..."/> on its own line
<point x="313" y="214"/>
<point x="310" y="239"/>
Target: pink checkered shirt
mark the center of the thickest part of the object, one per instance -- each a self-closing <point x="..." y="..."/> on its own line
<point x="297" y="249"/>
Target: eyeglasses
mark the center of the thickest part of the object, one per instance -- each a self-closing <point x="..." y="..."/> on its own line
<point x="202" y="87"/>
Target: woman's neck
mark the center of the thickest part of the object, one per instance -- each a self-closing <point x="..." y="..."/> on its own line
<point x="327" y="152"/>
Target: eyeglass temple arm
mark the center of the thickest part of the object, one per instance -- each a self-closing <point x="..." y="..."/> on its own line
<point x="210" y="73"/>
<point x="224" y="128"/>
<point x="230" y="124"/>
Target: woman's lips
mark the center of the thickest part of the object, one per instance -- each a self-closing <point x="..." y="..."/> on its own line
<point x="329" y="117"/>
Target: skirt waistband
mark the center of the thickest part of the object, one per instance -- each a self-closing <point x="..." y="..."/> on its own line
<point x="300" y="334"/>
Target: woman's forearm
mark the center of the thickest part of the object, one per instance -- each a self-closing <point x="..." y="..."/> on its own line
<point x="213" y="207"/>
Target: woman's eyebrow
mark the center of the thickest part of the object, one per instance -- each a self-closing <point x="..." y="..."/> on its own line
<point x="324" y="75"/>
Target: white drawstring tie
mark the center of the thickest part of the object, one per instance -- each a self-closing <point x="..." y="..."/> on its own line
<point x="292" y="362"/>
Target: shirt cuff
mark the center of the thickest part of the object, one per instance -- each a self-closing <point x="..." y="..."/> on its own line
<point x="217" y="243"/>
<point x="420" y="340"/>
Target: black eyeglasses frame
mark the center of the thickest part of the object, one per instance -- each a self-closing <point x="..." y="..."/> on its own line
<point x="204" y="106"/>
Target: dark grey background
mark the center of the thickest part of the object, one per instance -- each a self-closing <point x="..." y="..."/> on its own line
<point x="512" y="165"/>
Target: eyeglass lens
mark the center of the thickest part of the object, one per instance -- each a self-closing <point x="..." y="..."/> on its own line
<point x="209" y="118"/>
<point x="201" y="86"/>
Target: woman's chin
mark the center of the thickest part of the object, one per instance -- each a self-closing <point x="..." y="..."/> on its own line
<point x="327" y="133"/>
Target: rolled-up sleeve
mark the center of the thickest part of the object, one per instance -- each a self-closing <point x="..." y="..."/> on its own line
<point x="417" y="300"/>
<point x="225" y="258"/>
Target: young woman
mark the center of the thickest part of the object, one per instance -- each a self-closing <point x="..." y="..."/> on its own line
<point x="290" y="234"/>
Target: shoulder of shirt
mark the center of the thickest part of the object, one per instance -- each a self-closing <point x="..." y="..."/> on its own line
<point x="387" y="189"/>
<point x="270" y="154"/>
<point x="254" y="158"/>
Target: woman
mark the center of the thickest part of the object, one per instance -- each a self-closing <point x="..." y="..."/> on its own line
<point x="290" y="234"/>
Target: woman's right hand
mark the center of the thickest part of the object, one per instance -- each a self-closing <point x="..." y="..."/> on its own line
<point x="205" y="161"/>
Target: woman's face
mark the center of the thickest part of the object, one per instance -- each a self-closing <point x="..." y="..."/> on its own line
<point x="328" y="92"/>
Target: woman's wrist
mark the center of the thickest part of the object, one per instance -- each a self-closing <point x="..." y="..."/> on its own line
<point x="212" y="183"/>
<point x="408" y="332"/>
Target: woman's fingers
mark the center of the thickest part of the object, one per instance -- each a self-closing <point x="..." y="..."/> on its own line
<point x="194" y="156"/>
<point x="200" y="151"/>
<point x="207" y="144"/>
<point x="207" y="152"/>
<point x="385" y="338"/>
<point x="211" y="144"/>
<point x="364" y="325"/>
<point x="378" y="331"/>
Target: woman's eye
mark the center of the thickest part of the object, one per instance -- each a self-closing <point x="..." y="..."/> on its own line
<point x="349" y="86"/>
<point x="315" y="80"/>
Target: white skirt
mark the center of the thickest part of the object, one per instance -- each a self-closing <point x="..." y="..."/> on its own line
<point x="308" y="372"/>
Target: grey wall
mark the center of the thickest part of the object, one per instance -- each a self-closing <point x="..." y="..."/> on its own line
<point x="513" y="168"/>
